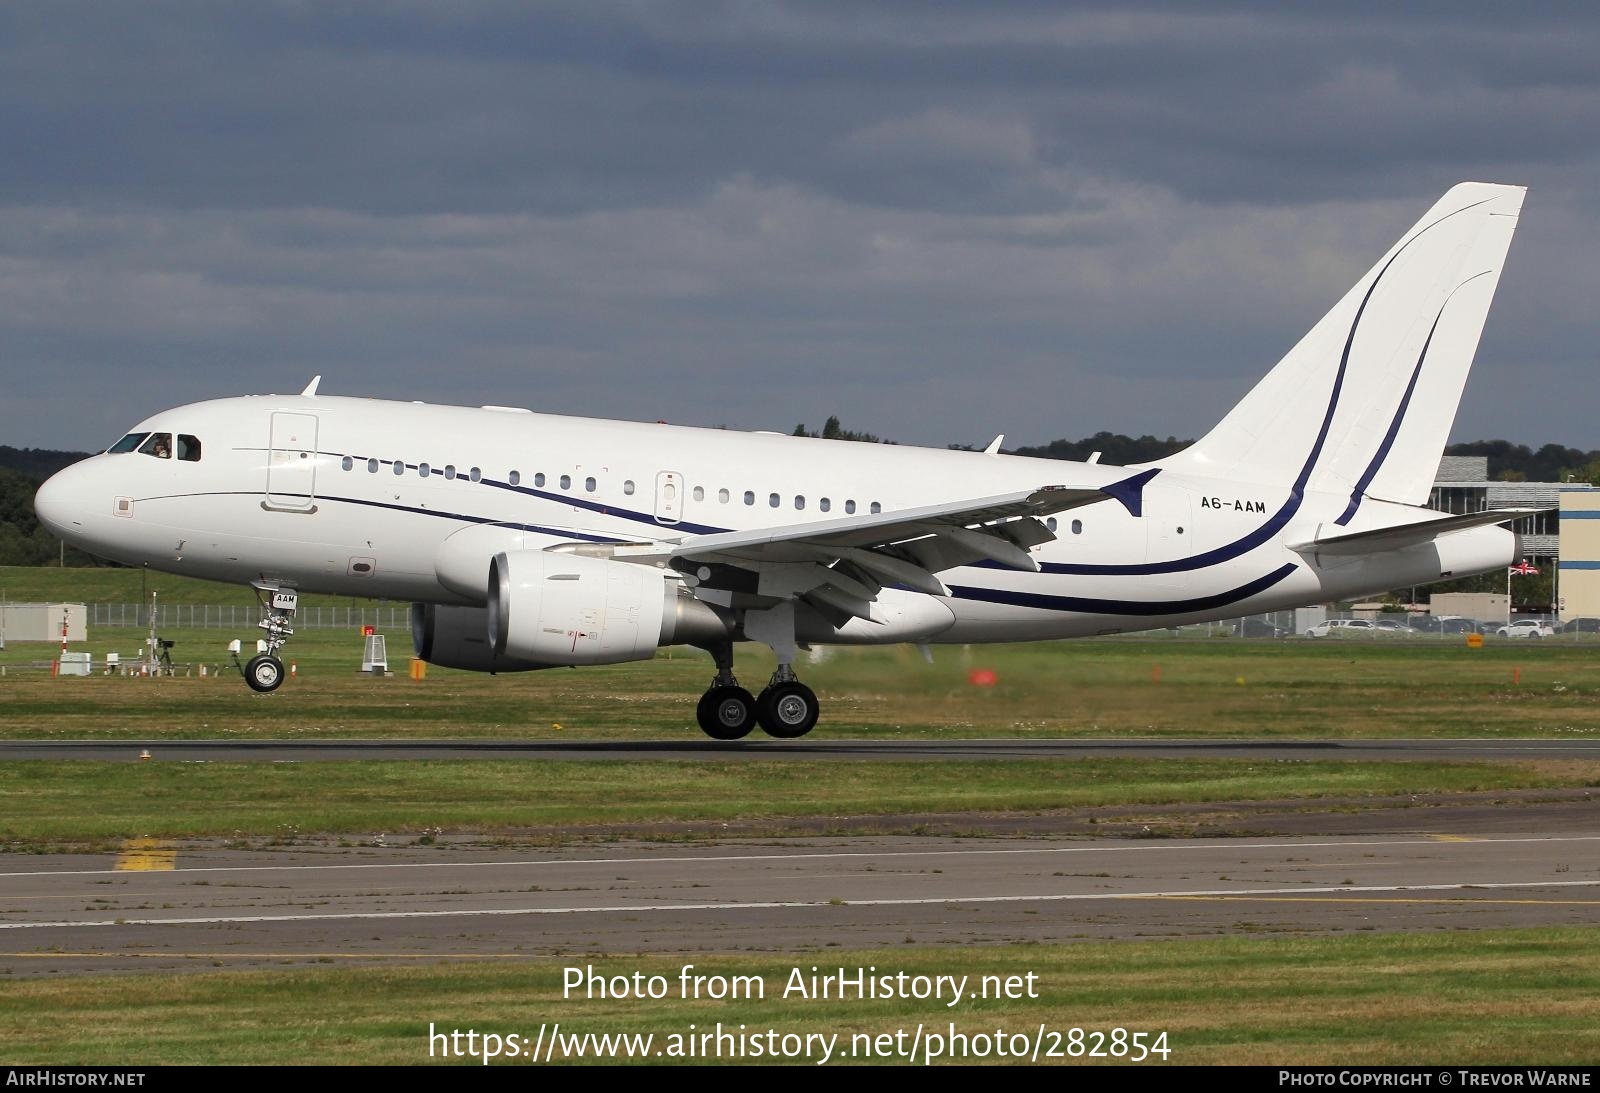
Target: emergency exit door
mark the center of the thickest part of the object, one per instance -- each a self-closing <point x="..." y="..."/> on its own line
<point x="669" y="497"/>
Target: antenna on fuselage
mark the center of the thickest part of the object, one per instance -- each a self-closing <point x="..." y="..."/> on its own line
<point x="311" y="388"/>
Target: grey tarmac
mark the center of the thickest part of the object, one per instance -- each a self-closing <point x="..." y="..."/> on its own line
<point x="204" y="906"/>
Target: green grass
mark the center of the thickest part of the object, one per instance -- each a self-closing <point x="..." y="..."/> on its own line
<point x="1274" y="689"/>
<point x="55" y="802"/>
<point x="1516" y="996"/>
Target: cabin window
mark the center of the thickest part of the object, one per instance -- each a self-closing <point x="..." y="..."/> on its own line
<point x="189" y="448"/>
<point x="749" y="497"/>
<point x="876" y="507"/>
<point x="159" y="445"/>
<point x="566" y="481"/>
<point x="589" y="484"/>
<point x="449" y="472"/>
<point x="722" y="496"/>
<point x="627" y="487"/>
<point x="347" y="463"/>
<point x="850" y="507"/>
<point x="538" y="479"/>
<point x="129" y="443"/>
<point x="1077" y="527"/>
<point x="699" y="493"/>
<point x="1050" y="523"/>
<point x="774" y="500"/>
<point x="515" y="478"/>
<point x="475" y="474"/>
<point x="372" y="466"/>
<point x="424" y="470"/>
<point x="399" y="466"/>
<point x="799" y="501"/>
<point x="824" y="504"/>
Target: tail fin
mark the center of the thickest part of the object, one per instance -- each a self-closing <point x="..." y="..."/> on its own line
<point x="1364" y="403"/>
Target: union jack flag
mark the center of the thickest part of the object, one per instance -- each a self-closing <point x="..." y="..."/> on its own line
<point x="1525" y="569"/>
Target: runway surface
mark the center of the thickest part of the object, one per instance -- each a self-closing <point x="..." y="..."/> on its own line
<point x="232" y="751"/>
<point x="157" y="907"/>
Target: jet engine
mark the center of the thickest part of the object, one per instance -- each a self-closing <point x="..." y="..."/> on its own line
<point x="458" y="637"/>
<point x="554" y="607"/>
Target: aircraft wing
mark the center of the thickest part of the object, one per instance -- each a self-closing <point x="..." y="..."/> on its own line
<point x="1406" y="535"/>
<point x="840" y="565"/>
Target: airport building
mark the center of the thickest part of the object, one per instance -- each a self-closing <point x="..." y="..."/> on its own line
<point x="1578" y="593"/>
<point x="42" y="621"/>
<point x="1570" y="546"/>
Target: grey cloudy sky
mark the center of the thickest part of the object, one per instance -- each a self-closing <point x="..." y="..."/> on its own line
<point x="938" y="220"/>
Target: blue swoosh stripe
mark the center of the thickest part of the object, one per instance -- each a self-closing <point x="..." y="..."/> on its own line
<point x="1088" y="606"/>
<point x="566" y="533"/>
<point x="604" y="509"/>
<point x="1382" y="454"/>
<point x="600" y="507"/>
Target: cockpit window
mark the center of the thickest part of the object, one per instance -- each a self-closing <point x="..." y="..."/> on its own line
<point x="188" y="448"/>
<point x="128" y="443"/>
<point x="159" y="445"/>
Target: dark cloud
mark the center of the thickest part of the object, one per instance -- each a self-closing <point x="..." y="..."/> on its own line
<point x="938" y="220"/>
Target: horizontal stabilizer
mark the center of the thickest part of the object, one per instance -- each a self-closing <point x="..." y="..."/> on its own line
<point x="1378" y="540"/>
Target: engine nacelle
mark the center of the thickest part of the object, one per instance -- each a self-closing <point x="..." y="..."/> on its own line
<point x="458" y="637"/>
<point x="559" y="608"/>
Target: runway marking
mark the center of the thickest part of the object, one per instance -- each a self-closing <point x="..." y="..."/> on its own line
<point x="1391" y="902"/>
<point x="1454" y="838"/>
<point x="145" y="855"/>
<point x="1120" y="848"/>
<point x="508" y="912"/>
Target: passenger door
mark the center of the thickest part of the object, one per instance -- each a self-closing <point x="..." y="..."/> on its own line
<point x="292" y="463"/>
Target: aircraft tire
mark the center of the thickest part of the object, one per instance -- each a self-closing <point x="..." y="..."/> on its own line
<point x="264" y="673"/>
<point x="787" y="710"/>
<point x="726" y="713"/>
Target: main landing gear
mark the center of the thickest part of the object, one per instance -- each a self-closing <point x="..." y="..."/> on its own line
<point x="786" y="708"/>
<point x="264" y="671"/>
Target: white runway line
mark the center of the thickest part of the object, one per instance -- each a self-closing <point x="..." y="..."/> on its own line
<point x="796" y="905"/>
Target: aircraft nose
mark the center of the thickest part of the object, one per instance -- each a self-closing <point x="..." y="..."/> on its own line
<point x="59" y="504"/>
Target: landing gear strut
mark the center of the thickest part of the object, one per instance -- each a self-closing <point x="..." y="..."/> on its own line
<point x="786" y="708"/>
<point x="264" y="671"/>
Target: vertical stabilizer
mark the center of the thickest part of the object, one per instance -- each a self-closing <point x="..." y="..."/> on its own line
<point x="1364" y="403"/>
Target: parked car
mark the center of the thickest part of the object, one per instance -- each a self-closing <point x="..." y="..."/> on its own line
<point x="1526" y="628"/>
<point x="1581" y="626"/>
<point x="1257" y="628"/>
<point x="1335" y="628"/>
<point x="1444" y="624"/>
<point x="1393" y="627"/>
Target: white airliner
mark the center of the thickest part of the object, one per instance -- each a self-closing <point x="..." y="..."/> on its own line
<point x="532" y="541"/>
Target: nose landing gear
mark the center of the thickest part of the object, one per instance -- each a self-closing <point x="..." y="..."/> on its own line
<point x="264" y="671"/>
